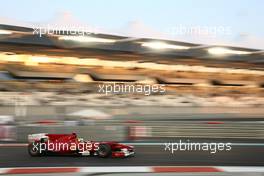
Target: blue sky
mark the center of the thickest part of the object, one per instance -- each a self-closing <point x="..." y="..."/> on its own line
<point x="244" y="17"/>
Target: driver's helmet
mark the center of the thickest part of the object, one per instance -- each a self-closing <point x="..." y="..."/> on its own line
<point x="80" y="140"/>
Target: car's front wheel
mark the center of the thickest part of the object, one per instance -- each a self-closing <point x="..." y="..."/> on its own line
<point x="33" y="150"/>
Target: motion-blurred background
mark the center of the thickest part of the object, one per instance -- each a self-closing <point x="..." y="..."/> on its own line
<point x="56" y="56"/>
<point x="51" y="84"/>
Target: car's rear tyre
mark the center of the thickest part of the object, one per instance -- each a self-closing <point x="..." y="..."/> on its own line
<point x="104" y="150"/>
<point x="33" y="150"/>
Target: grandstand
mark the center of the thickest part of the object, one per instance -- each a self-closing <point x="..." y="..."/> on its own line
<point x="66" y="64"/>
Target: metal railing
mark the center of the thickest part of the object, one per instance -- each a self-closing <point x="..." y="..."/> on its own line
<point x="247" y="130"/>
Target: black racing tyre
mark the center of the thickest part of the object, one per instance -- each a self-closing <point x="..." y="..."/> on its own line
<point x="104" y="150"/>
<point x="33" y="149"/>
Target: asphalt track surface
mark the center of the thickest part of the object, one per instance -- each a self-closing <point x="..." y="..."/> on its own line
<point x="241" y="154"/>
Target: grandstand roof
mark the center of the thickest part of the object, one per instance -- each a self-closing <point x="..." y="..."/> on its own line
<point x="17" y="39"/>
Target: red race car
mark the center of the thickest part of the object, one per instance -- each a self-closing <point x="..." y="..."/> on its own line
<point x="42" y="144"/>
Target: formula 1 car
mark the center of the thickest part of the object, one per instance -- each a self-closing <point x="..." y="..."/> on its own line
<point x="42" y="144"/>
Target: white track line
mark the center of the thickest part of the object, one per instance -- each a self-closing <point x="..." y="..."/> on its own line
<point x="241" y="169"/>
<point x="14" y="145"/>
<point x="147" y="144"/>
<point x="129" y="169"/>
<point x="163" y="143"/>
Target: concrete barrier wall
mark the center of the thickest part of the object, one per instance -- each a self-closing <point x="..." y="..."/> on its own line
<point x="147" y="130"/>
<point x="94" y="133"/>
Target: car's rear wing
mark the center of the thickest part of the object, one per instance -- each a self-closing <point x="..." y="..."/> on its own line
<point x="36" y="137"/>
